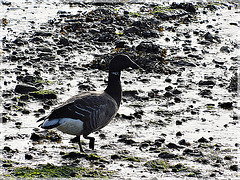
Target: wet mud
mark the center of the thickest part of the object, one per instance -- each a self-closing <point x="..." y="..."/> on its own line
<point x="178" y="119"/>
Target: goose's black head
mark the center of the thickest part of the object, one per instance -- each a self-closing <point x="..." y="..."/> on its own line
<point x="121" y="62"/>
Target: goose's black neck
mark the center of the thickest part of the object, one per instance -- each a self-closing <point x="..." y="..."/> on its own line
<point x="114" y="88"/>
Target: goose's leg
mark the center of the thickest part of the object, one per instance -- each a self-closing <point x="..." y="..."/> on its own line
<point x="80" y="144"/>
<point x="91" y="143"/>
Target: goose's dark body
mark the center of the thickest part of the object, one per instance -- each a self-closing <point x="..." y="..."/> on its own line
<point x="94" y="109"/>
<point x="90" y="111"/>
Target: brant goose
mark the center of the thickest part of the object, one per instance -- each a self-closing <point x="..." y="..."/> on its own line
<point x="90" y="111"/>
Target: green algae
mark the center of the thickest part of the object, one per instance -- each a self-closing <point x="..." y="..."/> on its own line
<point x="133" y="159"/>
<point x="44" y="94"/>
<point x="157" y="165"/>
<point x="52" y="171"/>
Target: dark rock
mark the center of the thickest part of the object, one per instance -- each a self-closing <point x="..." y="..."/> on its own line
<point x="203" y="160"/>
<point x="43" y="95"/>
<point x="120" y="44"/>
<point x="115" y="156"/>
<point x="126" y="139"/>
<point x="7" y="149"/>
<point x="24" y="89"/>
<point x="178" y="122"/>
<point x="206" y="83"/>
<point x="189" y="7"/>
<point x="184" y="143"/>
<point x="41" y="33"/>
<point x="4" y="119"/>
<point x="35" y="137"/>
<point x="233" y="86"/>
<point x="203" y="140"/>
<point x="176" y="91"/>
<point x="26" y="111"/>
<point x="158" y="142"/>
<point x="166" y="155"/>
<point x="225" y="49"/>
<point x="7" y="165"/>
<point x="130" y="93"/>
<point x="24" y="97"/>
<point x="168" y="80"/>
<point x="177" y="100"/>
<point x="7" y="106"/>
<point x="28" y="156"/>
<point x="19" y="42"/>
<point x="228" y="157"/>
<point x="64" y="41"/>
<point x="233" y="24"/>
<point x="226" y="105"/>
<point x="168" y="94"/>
<point x="173" y="146"/>
<point x="192" y="152"/>
<point x="234" y="167"/>
<point x="209" y="37"/>
<point x="132" y="30"/>
<point x="162" y="16"/>
<point x="148" y="47"/>
<point x="183" y="63"/>
<point x="179" y="133"/>
<point x="43" y="49"/>
<point x="6" y="3"/>
<point x="74" y="155"/>
<point x="36" y="40"/>
<point x="209" y="26"/>
<point x="168" y="88"/>
<point x="205" y="93"/>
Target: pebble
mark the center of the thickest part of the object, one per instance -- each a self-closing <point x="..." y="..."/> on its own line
<point x="226" y="105"/>
<point x="203" y="140"/>
<point x="24" y="89"/>
<point x="166" y="155"/>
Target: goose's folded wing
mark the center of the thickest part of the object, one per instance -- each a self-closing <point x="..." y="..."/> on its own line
<point x="95" y="110"/>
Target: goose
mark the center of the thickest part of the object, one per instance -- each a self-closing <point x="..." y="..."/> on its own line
<point x="90" y="111"/>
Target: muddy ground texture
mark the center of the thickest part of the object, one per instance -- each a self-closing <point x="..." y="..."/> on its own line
<point x="178" y="119"/>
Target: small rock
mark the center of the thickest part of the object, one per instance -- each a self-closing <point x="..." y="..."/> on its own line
<point x="176" y="91"/>
<point x="168" y="94"/>
<point x="184" y="143"/>
<point x="228" y="157"/>
<point x="234" y="168"/>
<point x="74" y="155"/>
<point x="225" y="49"/>
<point x="64" y="41"/>
<point x="209" y="37"/>
<point x="115" y="156"/>
<point x="192" y="152"/>
<point x="205" y="93"/>
<point x="203" y="140"/>
<point x="28" y="156"/>
<point x="178" y="122"/>
<point x="166" y="155"/>
<point x="7" y="149"/>
<point x="173" y="146"/>
<point x="35" y="137"/>
<point x="7" y="165"/>
<point x="177" y="100"/>
<point x="168" y="88"/>
<point x="179" y="133"/>
<point x="226" y="105"/>
<point x="126" y="139"/>
<point x="26" y="111"/>
<point x="206" y="83"/>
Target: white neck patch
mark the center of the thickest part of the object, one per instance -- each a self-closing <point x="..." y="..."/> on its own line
<point x="115" y="73"/>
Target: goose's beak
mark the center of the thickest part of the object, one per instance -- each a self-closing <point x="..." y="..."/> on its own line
<point x="135" y="66"/>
